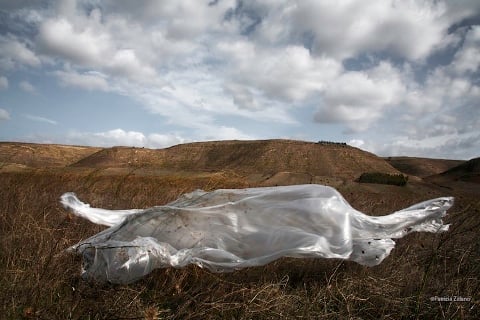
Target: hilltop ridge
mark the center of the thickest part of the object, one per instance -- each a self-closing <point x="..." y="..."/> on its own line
<point x="265" y="156"/>
<point x="282" y="161"/>
<point x="422" y="167"/>
<point x="42" y="155"/>
<point x="468" y="171"/>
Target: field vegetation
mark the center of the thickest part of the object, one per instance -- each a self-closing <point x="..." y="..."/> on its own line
<point x="39" y="280"/>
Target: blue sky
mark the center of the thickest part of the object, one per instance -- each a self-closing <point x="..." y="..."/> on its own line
<point x="390" y="77"/>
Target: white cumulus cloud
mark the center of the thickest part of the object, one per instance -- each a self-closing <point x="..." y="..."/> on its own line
<point x="157" y="140"/>
<point x="86" y="81"/>
<point x="359" y="98"/>
<point x="288" y="73"/>
<point x="120" y="137"/>
<point x="357" y="143"/>
<point x="27" y="87"/>
<point x="4" y="114"/>
<point x="14" y="52"/>
<point x="467" y="60"/>
<point x="96" y="42"/>
<point x="80" y="45"/>
<point x="344" y="29"/>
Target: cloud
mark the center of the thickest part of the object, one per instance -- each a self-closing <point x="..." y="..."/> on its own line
<point x="156" y="140"/>
<point x="18" y="4"/>
<point x="181" y="20"/>
<point x="13" y="53"/>
<point x="359" y="98"/>
<point x="224" y="133"/>
<point x="197" y="98"/>
<point x="4" y="115"/>
<point x="287" y="74"/>
<point x="128" y="138"/>
<point x="27" y="87"/>
<point x="87" y="81"/>
<point x="85" y="46"/>
<point x="3" y="83"/>
<point x="446" y="103"/>
<point x="243" y="96"/>
<point x="357" y="143"/>
<point x="40" y="119"/>
<point x="120" y="137"/>
<point x="460" y="11"/>
<point x="467" y="59"/>
<point x="125" y="62"/>
<point x="407" y="29"/>
<point x="448" y="146"/>
<point x="96" y="42"/>
<point x="263" y="75"/>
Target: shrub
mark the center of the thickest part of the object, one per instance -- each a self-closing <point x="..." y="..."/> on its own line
<point x="383" y="178"/>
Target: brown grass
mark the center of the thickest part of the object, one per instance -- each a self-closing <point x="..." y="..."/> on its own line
<point x="38" y="279"/>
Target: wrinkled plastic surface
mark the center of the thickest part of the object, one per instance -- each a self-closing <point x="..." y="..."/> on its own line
<point x="230" y="229"/>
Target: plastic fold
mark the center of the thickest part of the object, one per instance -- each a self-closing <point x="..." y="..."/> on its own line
<point x="230" y="229"/>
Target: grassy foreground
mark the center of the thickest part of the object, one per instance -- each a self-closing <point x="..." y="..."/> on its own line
<point x="38" y="279"/>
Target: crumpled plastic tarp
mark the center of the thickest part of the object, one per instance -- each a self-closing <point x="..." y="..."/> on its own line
<point x="230" y="229"/>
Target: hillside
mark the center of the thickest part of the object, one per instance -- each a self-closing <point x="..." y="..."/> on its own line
<point x="422" y="167"/>
<point x="468" y="171"/>
<point x="42" y="155"/>
<point x="246" y="157"/>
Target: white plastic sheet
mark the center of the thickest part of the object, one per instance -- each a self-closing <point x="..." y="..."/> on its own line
<point x="230" y="229"/>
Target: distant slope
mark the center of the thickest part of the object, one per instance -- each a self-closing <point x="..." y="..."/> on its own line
<point x="122" y="157"/>
<point x="259" y="156"/>
<point x="468" y="171"/>
<point x="422" y="167"/>
<point x="42" y="155"/>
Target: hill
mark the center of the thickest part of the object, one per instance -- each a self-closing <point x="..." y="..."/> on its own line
<point x="422" y="167"/>
<point x="267" y="157"/>
<point x="468" y="171"/>
<point x="42" y="155"/>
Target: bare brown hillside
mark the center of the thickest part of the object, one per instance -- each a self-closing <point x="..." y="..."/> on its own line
<point x="422" y="167"/>
<point x="468" y="171"/>
<point x="247" y="157"/>
<point x="42" y="155"/>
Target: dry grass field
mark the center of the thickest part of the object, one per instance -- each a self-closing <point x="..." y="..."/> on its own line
<point x="39" y="280"/>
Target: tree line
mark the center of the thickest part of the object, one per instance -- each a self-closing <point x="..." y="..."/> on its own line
<point x="383" y="178"/>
